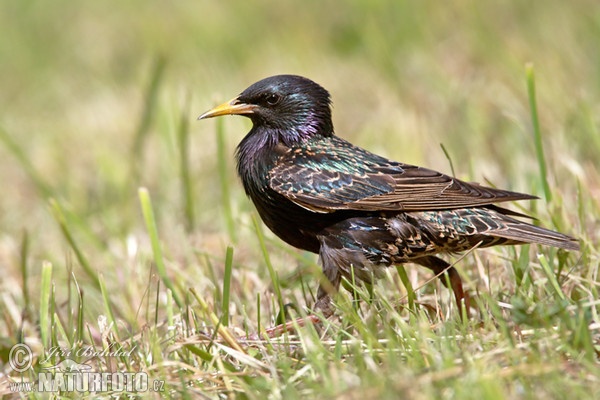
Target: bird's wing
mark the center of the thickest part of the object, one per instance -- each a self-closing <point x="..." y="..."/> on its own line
<point x="345" y="177"/>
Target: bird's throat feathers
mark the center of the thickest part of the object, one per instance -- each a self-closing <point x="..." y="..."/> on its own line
<point x="254" y="155"/>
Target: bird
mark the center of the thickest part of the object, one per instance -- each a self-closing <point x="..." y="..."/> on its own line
<point x="361" y="212"/>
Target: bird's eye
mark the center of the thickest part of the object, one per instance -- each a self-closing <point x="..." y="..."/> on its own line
<point x="272" y="99"/>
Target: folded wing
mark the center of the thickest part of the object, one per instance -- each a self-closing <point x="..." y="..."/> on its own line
<point x="350" y="178"/>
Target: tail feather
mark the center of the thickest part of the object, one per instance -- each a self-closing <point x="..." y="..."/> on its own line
<point x="496" y="226"/>
<point x="526" y="233"/>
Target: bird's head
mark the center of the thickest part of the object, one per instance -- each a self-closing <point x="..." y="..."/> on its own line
<point x="288" y="108"/>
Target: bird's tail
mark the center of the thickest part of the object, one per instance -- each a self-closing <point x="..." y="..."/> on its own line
<point x="523" y="232"/>
<point x="494" y="225"/>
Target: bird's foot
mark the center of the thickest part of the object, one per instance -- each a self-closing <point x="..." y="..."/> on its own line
<point x="287" y="327"/>
<point x="323" y="305"/>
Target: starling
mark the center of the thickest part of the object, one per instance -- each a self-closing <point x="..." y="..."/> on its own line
<point x="357" y="210"/>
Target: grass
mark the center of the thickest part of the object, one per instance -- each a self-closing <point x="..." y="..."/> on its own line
<point x="123" y="225"/>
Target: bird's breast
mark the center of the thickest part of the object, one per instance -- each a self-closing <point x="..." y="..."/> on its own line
<point x="285" y="219"/>
<point x="291" y="223"/>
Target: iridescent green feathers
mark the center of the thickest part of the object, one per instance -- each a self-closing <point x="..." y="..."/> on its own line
<point x="328" y="173"/>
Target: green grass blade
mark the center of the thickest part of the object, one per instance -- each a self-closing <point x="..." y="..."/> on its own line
<point x="148" y="213"/>
<point x="222" y="161"/>
<point x="24" y="160"/>
<point x="184" y="168"/>
<point x="157" y="303"/>
<point x="77" y="330"/>
<point x="209" y="358"/>
<point x="219" y="328"/>
<point x="60" y="218"/>
<point x="521" y="267"/>
<point x="107" y="307"/>
<point x="273" y="275"/>
<point x="60" y="332"/>
<point x="80" y="316"/>
<point x="539" y="147"/>
<point x="45" y="298"/>
<point x="143" y="128"/>
<point x="409" y="289"/>
<point x="551" y="276"/>
<point x="24" y="268"/>
<point x="227" y="285"/>
<point x="448" y="158"/>
<point x="52" y="314"/>
<point x="581" y="338"/>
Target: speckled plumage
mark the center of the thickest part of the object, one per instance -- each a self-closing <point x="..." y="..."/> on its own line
<point x="357" y="210"/>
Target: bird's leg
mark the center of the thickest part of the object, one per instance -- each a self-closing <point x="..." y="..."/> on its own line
<point x="331" y="279"/>
<point x="323" y="304"/>
<point x="289" y="326"/>
<point x="447" y="274"/>
<point x="285" y="327"/>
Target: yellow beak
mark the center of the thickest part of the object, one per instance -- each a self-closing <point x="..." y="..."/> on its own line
<point x="231" y="107"/>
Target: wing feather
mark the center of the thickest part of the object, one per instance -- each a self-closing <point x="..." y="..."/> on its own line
<point x="335" y="175"/>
